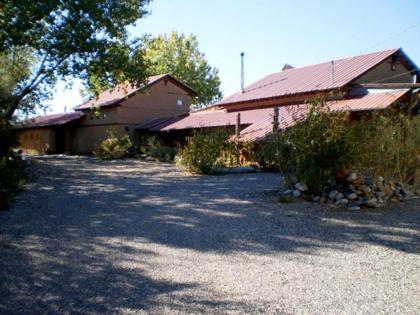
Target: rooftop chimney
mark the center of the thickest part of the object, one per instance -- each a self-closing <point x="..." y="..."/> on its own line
<point x="242" y="73"/>
<point x="287" y="67"/>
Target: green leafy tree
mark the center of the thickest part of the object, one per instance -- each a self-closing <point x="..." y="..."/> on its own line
<point x="80" y="39"/>
<point x="178" y="55"/>
<point x="15" y="69"/>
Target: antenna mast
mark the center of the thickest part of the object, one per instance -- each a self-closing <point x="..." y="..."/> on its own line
<point x="242" y="73"/>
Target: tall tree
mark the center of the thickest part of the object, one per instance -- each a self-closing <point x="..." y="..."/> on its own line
<point x="15" y="69"/>
<point x="78" y="38"/>
<point x="178" y="55"/>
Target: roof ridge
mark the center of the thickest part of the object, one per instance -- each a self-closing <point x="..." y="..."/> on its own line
<point x="326" y="62"/>
<point x="341" y="59"/>
<point x="275" y="77"/>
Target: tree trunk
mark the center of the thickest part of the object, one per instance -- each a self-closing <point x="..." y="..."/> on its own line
<point x="13" y="106"/>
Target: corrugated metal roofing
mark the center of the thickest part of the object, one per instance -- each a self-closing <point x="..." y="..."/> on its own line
<point x="50" y="120"/>
<point x="310" y="78"/>
<point x="289" y="115"/>
<point x="215" y="119"/>
<point x="260" y="121"/>
<point x="372" y="101"/>
<point x="155" y="123"/>
<point x="122" y="91"/>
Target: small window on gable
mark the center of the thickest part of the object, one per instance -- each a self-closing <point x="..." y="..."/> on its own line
<point x="179" y="102"/>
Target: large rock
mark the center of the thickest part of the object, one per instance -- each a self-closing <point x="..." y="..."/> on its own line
<point x="332" y="194"/>
<point x="301" y="187"/>
<point x="351" y="196"/>
<point x="286" y="192"/>
<point x="380" y="194"/>
<point x="385" y="189"/>
<point x="372" y="203"/>
<point x="316" y="199"/>
<point x="339" y="196"/>
<point x="296" y="193"/>
<point x="366" y="190"/>
<point x="352" y="177"/>
<point x="342" y="201"/>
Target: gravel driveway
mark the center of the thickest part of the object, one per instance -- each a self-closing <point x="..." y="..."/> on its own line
<point x="136" y="237"/>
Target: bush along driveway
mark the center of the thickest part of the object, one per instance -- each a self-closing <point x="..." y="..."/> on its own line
<point x="134" y="237"/>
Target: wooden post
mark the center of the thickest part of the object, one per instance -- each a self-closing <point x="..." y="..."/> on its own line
<point x="276" y="120"/>
<point x="237" y="132"/>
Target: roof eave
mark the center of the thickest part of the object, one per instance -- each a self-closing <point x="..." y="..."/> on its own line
<point x="281" y="97"/>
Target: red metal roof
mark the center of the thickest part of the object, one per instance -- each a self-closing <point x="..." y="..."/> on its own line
<point x="50" y="120"/>
<point x="290" y="115"/>
<point x="158" y="122"/>
<point x="122" y="91"/>
<point x="260" y="121"/>
<point x="214" y="119"/>
<point x="371" y="101"/>
<point x="310" y="78"/>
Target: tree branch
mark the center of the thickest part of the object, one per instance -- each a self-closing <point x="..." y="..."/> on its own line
<point x="39" y="77"/>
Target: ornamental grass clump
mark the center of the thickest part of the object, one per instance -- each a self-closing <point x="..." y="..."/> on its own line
<point x="116" y="146"/>
<point x="155" y="148"/>
<point x="389" y="146"/>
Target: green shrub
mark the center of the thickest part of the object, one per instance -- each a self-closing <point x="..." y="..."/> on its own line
<point x="8" y="136"/>
<point x="313" y="150"/>
<point x="276" y="154"/>
<point x="12" y="179"/>
<point x="156" y="149"/>
<point x="285" y="199"/>
<point x="12" y="169"/>
<point x="203" y="151"/>
<point x="320" y="146"/>
<point x="316" y="149"/>
<point x="116" y="146"/>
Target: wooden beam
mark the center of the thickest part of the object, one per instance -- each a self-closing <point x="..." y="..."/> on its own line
<point x="390" y="85"/>
<point x="276" y="119"/>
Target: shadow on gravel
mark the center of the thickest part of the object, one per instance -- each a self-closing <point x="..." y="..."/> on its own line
<point x="208" y="213"/>
<point x="54" y="257"/>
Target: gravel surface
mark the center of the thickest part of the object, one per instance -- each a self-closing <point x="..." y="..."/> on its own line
<point x="136" y="237"/>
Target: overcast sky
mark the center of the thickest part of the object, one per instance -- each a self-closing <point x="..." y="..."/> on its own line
<point x="272" y="33"/>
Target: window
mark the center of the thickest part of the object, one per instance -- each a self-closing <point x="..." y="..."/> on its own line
<point x="179" y="102"/>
